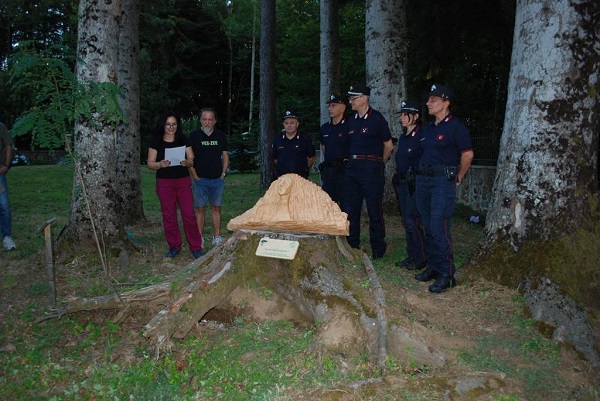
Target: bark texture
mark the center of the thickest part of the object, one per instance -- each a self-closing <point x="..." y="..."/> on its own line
<point x="547" y="167"/>
<point x="130" y="207"/>
<point x="385" y="33"/>
<point x="330" y="54"/>
<point x="94" y="141"/>
<point x="267" y="90"/>
<point x="542" y="233"/>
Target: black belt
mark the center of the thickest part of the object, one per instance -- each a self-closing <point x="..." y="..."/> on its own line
<point x="375" y="158"/>
<point x="333" y="163"/>
<point x="431" y="173"/>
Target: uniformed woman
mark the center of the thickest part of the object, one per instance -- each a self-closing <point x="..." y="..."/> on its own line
<point x="447" y="155"/>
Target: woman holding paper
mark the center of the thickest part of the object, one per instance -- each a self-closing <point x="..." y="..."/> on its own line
<point x="170" y="155"/>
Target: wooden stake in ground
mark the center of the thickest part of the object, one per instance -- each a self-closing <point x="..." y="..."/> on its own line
<point x="47" y="229"/>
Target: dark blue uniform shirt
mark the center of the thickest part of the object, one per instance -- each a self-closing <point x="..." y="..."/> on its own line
<point x="409" y="150"/>
<point x="335" y="139"/>
<point x="368" y="133"/>
<point x="292" y="154"/>
<point x="444" y="143"/>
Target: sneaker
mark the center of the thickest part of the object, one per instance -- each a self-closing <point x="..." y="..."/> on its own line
<point x="172" y="252"/>
<point x="197" y="254"/>
<point x="217" y="240"/>
<point x="9" y="244"/>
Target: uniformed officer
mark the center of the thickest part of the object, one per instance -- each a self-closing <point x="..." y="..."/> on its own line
<point x="408" y="154"/>
<point x="293" y="151"/>
<point x="447" y="156"/>
<point x="370" y="146"/>
<point x="334" y="148"/>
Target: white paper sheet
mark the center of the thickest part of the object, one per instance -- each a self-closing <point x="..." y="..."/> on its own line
<point x="175" y="155"/>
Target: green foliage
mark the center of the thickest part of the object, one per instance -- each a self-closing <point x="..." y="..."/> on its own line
<point x="59" y="99"/>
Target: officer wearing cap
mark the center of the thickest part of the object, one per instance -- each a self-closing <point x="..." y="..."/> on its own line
<point x="447" y="156"/>
<point x="370" y="146"/>
<point x="333" y="136"/>
<point x="408" y="154"/>
<point x="293" y="151"/>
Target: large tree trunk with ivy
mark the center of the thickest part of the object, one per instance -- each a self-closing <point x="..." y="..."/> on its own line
<point x="314" y="289"/>
<point x="385" y="49"/>
<point x="95" y="186"/>
<point x="130" y="206"/>
<point x="542" y="229"/>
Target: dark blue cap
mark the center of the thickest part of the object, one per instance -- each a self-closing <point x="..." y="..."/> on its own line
<point x="335" y="98"/>
<point x="290" y="114"/>
<point x="359" y="90"/>
<point x="410" y="107"/>
<point x="442" y="91"/>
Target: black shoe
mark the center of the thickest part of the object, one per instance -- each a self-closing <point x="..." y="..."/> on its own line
<point x="426" y="275"/>
<point x="416" y="265"/>
<point x="442" y="283"/>
<point x="404" y="262"/>
<point x="378" y="255"/>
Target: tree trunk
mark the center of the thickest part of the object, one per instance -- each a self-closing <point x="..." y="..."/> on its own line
<point x="130" y="207"/>
<point x="547" y="170"/>
<point x="312" y="288"/>
<point x="267" y="90"/>
<point x="385" y="34"/>
<point x="544" y="208"/>
<point x="330" y="54"/>
<point x="252" y="69"/>
<point x="94" y="183"/>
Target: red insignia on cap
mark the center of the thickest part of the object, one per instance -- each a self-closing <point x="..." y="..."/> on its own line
<point x="440" y="137"/>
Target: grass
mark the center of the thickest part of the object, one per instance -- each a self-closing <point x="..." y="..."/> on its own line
<point x="88" y="356"/>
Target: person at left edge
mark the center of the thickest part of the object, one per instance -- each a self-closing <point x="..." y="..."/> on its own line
<point x="211" y="160"/>
<point x="293" y="151"/>
<point x="173" y="185"/>
<point x="6" y="155"/>
<point x="370" y="147"/>
<point x="334" y="147"/>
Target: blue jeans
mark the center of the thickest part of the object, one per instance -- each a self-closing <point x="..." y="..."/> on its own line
<point x="208" y="190"/>
<point x="5" y="218"/>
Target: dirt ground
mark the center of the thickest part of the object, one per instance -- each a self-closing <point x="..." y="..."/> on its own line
<point x="477" y="318"/>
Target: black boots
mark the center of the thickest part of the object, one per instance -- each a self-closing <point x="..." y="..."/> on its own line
<point x="441" y="284"/>
<point x="426" y="275"/>
<point x="411" y="264"/>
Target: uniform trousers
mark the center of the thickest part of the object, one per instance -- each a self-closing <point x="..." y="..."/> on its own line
<point x="436" y="198"/>
<point x="174" y="192"/>
<point x="364" y="182"/>
<point x="415" y="237"/>
<point x="333" y="178"/>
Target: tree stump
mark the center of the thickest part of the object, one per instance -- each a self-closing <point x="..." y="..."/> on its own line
<point x="323" y="286"/>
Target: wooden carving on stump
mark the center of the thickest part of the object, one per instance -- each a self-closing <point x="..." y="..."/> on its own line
<point x="320" y="284"/>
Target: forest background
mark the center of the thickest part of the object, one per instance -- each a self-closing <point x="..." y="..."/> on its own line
<point x="200" y="54"/>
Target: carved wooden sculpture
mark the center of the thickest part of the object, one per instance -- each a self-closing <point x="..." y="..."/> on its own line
<point x="294" y="204"/>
